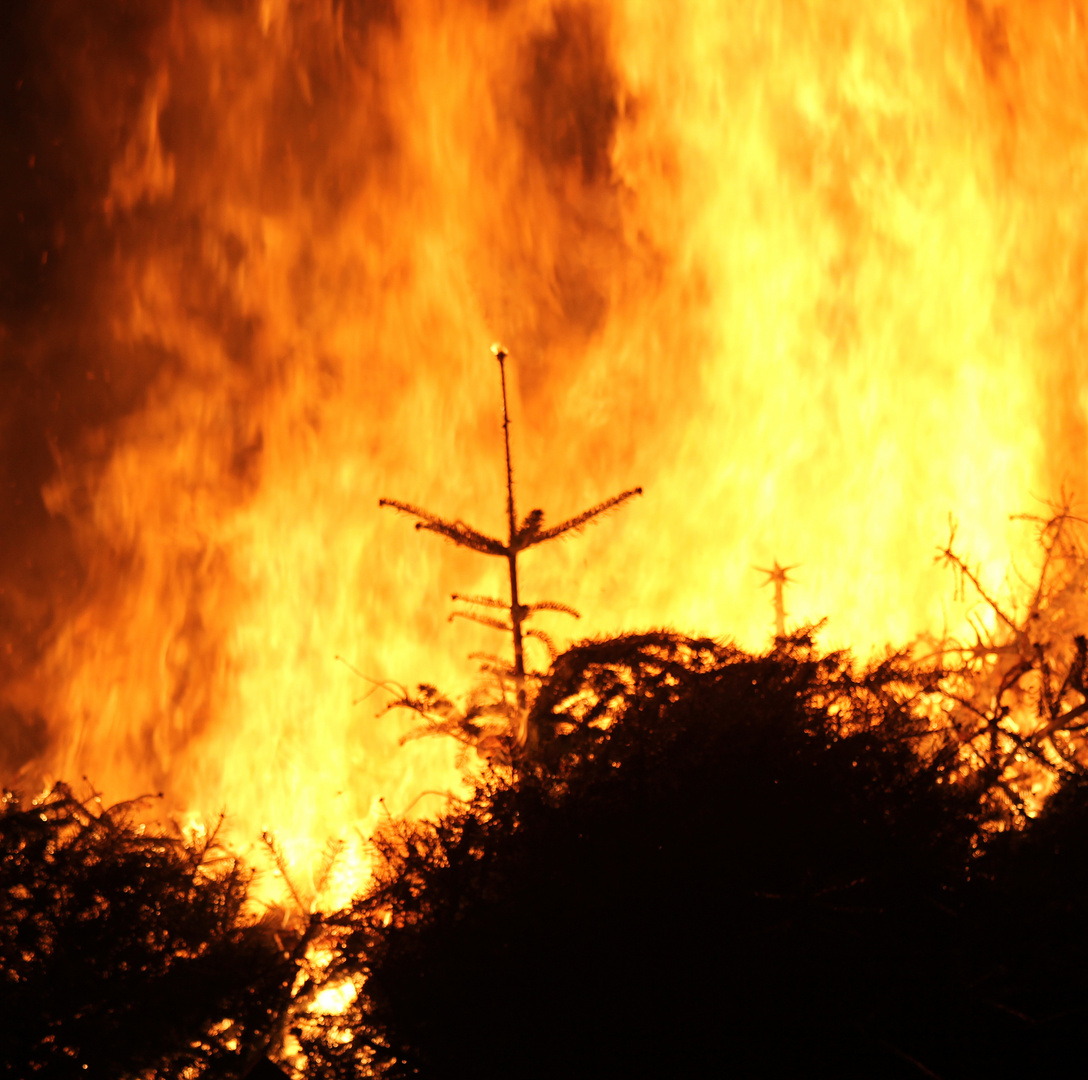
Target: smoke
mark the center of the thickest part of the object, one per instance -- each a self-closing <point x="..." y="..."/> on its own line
<point x="56" y="347"/>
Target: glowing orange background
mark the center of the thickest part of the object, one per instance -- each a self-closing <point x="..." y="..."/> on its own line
<point x="813" y="274"/>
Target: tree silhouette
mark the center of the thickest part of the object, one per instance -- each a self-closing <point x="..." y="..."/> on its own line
<point x="520" y="538"/>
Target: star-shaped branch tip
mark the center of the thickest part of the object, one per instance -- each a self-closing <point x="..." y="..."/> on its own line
<point x="778" y="573"/>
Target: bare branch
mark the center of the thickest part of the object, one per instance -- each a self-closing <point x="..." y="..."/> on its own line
<point x="1051" y="532"/>
<point x="1064" y="722"/>
<point x="1029" y="746"/>
<point x="946" y="554"/>
<point x="269" y="841"/>
<point x="448" y="795"/>
<point x="1049" y="547"/>
<point x="968" y="705"/>
<point x="391" y="686"/>
<point x="1012" y="677"/>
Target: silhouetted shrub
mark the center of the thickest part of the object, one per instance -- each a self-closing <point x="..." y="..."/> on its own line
<point x="124" y="951"/>
<point x="717" y="864"/>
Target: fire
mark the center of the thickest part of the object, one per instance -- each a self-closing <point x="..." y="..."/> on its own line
<point x="812" y="274"/>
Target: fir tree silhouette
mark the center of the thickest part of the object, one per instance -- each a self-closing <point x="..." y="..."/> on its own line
<point x="520" y="538"/>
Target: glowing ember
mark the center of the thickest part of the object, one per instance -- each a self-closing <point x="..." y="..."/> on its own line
<point x="813" y="274"/>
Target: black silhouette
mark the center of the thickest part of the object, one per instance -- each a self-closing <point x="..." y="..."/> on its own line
<point x="520" y="538"/>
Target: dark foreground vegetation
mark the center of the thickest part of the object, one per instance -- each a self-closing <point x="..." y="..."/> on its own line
<point x="721" y="865"/>
<point x="712" y="864"/>
<point x="124" y="952"/>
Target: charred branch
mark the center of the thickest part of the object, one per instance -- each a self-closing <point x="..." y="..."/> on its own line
<point x="1017" y="695"/>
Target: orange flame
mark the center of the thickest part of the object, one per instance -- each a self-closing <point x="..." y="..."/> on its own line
<point x="812" y="274"/>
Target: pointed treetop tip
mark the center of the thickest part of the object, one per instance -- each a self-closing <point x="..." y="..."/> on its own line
<point x="777" y="573"/>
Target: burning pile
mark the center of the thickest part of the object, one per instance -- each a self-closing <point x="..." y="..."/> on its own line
<point x="701" y="849"/>
<point x="813" y="274"/>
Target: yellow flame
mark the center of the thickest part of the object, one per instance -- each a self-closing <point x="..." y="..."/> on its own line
<point x="812" y="274"/>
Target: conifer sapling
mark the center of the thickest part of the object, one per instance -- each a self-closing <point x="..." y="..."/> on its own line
<point x="529" y="533"/>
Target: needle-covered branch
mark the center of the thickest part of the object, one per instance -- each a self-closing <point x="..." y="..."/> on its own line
<point x="853" y="901"/>
<point x="483" y="620"/>
<point x="461" y="534"/>
<point x="554" y="605"/>
<point x="549" y="644"/>
<point x="578" y="523"/>
<point x="483" y="601"/>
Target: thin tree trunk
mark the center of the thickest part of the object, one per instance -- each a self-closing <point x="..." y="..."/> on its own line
<point x="516" y="612"/>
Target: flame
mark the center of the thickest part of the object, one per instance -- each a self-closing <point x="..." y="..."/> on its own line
<point x="812" y="274"/>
